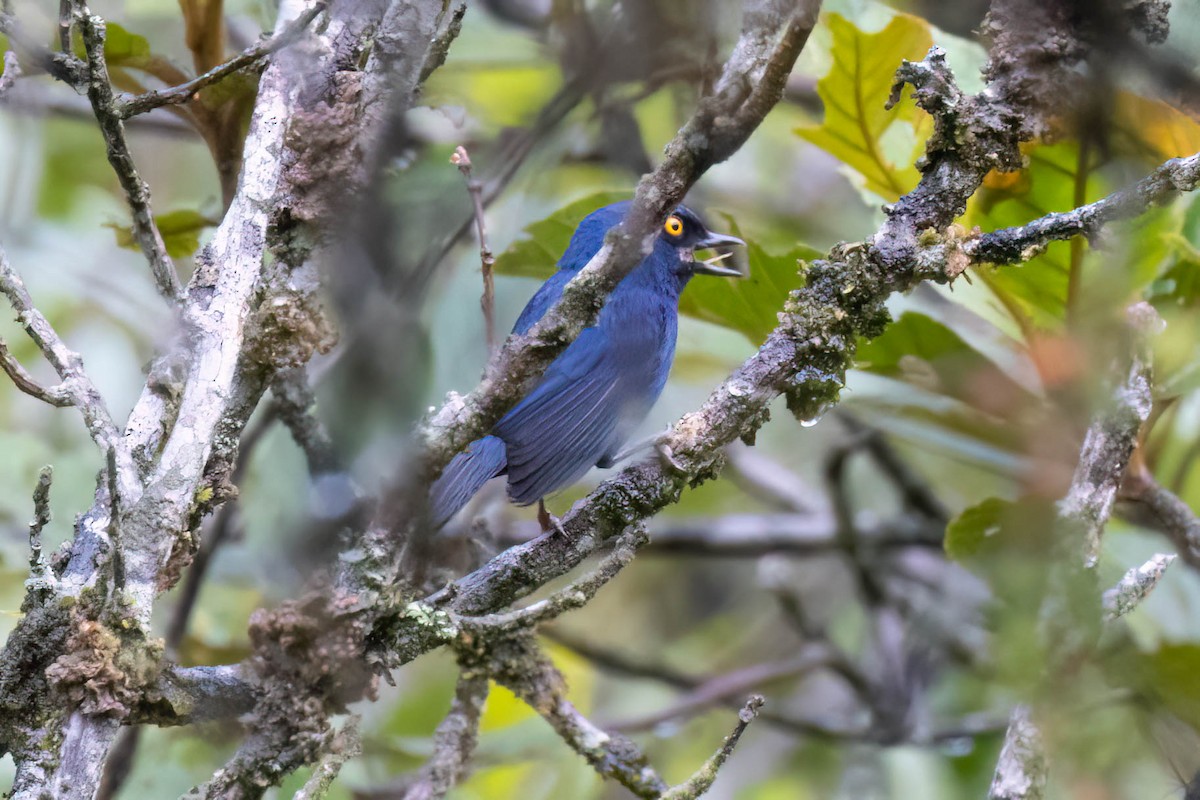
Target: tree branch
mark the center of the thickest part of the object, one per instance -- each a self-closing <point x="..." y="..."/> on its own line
<point x="100" y="93"/>
<point x="1082" y="514"/>
<point x="57" y="396"/>
<point x="454" y="742"/>
<point x="1014" y="245"/>
<point x="130" y="106"/>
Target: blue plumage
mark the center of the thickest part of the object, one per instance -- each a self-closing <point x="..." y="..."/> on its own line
<point x="603" y="385"/>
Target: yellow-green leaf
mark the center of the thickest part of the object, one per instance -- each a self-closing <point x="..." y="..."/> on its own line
<point x="855" y="93"/>
<point x="180" y="232"/>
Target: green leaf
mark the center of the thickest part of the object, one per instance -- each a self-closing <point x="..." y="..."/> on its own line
<point x="180" y="232"/>
<point x="996" y="534"/>
<point x="855" y="92"/>
<point x="121" y="48"/>
<point x="536" y="256"/>
<point x="922" y="351"/>
<point x="748" y="305"/>
<point x="967" y="534"/>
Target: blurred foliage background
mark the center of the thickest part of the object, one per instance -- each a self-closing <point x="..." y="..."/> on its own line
<point x="981" y="392"/>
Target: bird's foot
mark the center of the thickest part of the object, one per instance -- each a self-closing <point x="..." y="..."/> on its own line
<point x="548" y="521"/>
<point x="663" y="448"/>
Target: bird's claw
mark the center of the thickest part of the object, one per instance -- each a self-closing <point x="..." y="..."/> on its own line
<point x="668" y="457"/>
<point x="548" y="521"/>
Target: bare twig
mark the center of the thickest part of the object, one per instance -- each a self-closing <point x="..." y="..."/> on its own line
<point x="57" y="396"/>
<point x="700" y="782"/>
<point x="1164" y="510"/>
<point x="126" y="107"/>
<point x="341" y="747"/>
<point x="453" y="742"/>
<point x="717" y="690"/>
<point x="69" y="366"/>
<point x="487" y="302"/>
<point x="100" y="93"/>
<point x="576" y="595"/>
<point x="64" y="66"/>
<point x="64" y="25"/>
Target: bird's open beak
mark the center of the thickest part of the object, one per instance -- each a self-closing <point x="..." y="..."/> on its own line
<point x="711" y="267"/>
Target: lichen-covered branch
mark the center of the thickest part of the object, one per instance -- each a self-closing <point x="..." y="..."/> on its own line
<point x="1013" y="245"/>
<point x="516" y="663"/>
<point x="574" y="596"/>
<point x="1110" y="440"/>
<point x="1022" y="769"/>
<point x="1135" y="586"/>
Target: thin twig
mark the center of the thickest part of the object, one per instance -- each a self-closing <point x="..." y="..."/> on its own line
<point x="454" y="742"/>
<point x="1165" y="511"/>
<point x="700" y="782"/>
<point x="57" y="396"/>
<point x="487" y="302"/>
<point x="574" y="596"/>
<point x="64" y="66"/>
<point x="342" y="746"/>
<point x="69" y="366"/>
<point x="64" y="25"/>
<point x="130" y="106"/>
<point x="718" y="689"/>
<point x="137" y="193"/>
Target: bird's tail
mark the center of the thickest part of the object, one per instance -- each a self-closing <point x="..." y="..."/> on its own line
<point x="464" y="476"/>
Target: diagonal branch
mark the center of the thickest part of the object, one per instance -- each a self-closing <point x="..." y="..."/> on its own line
<point x="107" y="110"/>
<point x="127" y="106"/>
<point x="1021" y="771"/>
<point x="77" y="388"/>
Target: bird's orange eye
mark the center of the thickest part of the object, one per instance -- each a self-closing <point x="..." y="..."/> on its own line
<point x="673" y="226"/>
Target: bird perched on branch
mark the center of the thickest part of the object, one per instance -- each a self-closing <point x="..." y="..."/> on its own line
<point x="603" y="385"/>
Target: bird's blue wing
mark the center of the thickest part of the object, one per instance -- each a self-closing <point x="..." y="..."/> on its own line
<point x="567" y="423"/>
<point x="590" y="398"/>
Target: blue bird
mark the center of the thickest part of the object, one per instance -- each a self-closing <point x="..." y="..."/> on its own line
<point x="603" y="385"/>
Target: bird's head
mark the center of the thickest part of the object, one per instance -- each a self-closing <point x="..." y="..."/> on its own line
<point x="685" y="232"/>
